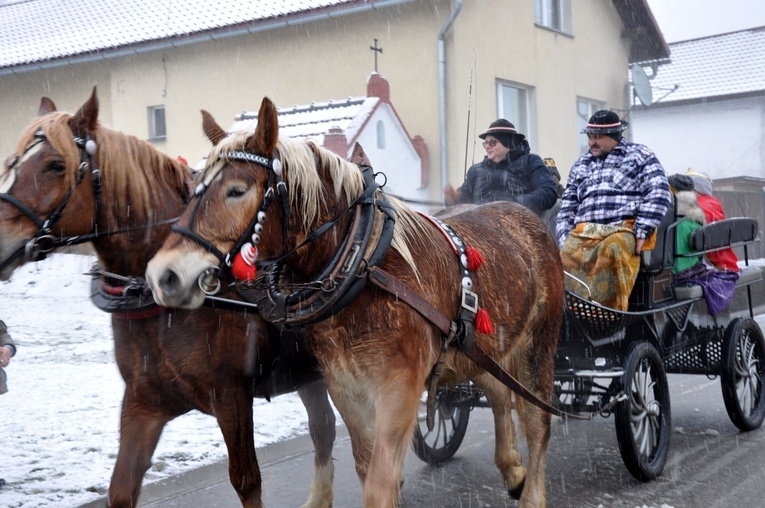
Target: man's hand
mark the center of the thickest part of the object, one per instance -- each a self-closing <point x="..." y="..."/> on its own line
<point x="639" y="245"/>
<point x="5" y="356"/>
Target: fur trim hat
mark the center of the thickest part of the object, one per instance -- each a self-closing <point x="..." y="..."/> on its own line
<point x="504" y="131"/>
<point x="680" y="183"/>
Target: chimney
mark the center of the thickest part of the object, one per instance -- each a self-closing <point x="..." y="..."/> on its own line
<point x="377" y="86"/>
<point x="335" y="142"/>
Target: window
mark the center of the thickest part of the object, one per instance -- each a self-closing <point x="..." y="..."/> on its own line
<point x="513" y="104"/>
<point x="554" y="14"/>
<point x="584" y="110"/>
<point x="381" y="135"/>
<point x="157" y="126"/>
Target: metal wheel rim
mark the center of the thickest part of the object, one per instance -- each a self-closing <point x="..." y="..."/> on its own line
<point x="645" y="409"/>
<point x="445" y="424"/>
<point x="746" y="370"/>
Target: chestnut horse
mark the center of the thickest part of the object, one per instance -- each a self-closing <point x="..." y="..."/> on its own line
<point x="377" y="352"/>
<point x="70" y="180"/>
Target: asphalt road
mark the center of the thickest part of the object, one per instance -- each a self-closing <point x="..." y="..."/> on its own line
<point x="711" y="464"/>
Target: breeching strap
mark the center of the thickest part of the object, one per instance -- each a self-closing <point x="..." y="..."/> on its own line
<point x="401" y="291"/>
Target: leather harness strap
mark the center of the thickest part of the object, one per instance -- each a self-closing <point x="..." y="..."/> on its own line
<point x="401" y="291"/>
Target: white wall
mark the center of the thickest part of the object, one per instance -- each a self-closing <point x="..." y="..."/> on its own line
<point x="398" y="160"/>
<point x="723" y="139"/>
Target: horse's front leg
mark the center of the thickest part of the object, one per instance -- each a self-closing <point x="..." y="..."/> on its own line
<point x="394" y="427"/>
<point x="140" y="427"/>
<point x="234" y="415"/>
<point x="321" y="425"/>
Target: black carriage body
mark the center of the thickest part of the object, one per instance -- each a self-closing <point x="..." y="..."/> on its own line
<point x="675" y="320"/>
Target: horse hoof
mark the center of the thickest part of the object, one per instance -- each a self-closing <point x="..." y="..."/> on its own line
<point x="517" y="491"/>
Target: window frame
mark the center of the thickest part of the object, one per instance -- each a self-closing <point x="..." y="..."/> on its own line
<point x="525" y="123"/>
<point x="546" y="9"/>
<point x="583" y="118"/>
<point x="152" y="112"/>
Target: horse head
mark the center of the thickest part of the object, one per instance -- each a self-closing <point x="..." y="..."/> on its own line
<point x="66" y="183"/>
<point x="256" y="200"/>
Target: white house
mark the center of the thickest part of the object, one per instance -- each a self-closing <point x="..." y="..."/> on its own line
<point x="371" y="121"/>
<point x="708" y="110"/>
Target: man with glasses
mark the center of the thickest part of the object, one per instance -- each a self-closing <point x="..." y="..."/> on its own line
<point x="616" y="195"/>
<point x="509" y="172"/>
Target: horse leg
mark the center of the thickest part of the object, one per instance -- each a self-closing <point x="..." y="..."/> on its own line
<point x="538" y="376"/>
<point x="506" y="455"/>
<point x="234" y="415"/>
<point x="321" y="425"/>
<point x="358" y="413"/>
<point x="394" y="427"/>
<point x="140" y="428"/>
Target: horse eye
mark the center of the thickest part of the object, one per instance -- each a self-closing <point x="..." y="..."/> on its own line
<point x="236" y="191"/>
<point x="57" y="167"/>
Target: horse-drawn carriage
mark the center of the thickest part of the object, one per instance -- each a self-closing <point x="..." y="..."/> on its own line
<point x="613" y="362"/>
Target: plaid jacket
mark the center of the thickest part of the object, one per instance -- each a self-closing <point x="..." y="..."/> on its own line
<point x="629" y="184"/>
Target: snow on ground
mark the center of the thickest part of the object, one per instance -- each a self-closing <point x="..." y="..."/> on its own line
<point x="60" y="418"/>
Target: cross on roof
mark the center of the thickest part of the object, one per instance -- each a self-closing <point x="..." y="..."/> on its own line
<point x="376" y="50"/>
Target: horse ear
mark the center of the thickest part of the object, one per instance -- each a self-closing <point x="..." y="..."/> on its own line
<point x="212" y="130"/>
<point x="46" y="106"/>
<point x="267" y="131"/>
<point x="87" y="116"/>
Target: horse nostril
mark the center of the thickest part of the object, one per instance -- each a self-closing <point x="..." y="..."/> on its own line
<point x="169" y="281"/>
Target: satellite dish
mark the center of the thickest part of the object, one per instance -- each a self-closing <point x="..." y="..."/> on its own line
<point x="642" y="85"/>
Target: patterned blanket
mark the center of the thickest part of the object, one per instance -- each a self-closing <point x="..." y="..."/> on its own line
<point x="603" y="257"/>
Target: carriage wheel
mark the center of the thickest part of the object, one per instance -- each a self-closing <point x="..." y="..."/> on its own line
<point x="743" y="374"/>
<point x="643" y="420"/>
<point x="450" y="424"/>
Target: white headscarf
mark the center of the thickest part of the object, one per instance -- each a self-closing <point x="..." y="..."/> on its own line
<point x="701" y="182"/>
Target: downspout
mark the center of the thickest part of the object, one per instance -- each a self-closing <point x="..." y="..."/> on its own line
<point x="442" y="88"/>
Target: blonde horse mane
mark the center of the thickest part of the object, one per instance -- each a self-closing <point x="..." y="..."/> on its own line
<point x="129" y="166"/>
<point x="305" y="163"/>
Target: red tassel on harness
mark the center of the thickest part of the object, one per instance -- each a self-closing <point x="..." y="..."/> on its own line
<point x="243" y="267"/>
<point x="474" y="259"/>
<point x="483" y="322"/>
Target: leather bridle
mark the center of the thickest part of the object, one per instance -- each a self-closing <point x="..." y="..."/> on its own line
<point x="43" y="242"/>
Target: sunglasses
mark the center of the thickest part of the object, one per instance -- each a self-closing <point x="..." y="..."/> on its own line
<point x="490" y="143"/>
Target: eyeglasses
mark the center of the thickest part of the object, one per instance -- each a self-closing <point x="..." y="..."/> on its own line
<point x="490" y="143"/>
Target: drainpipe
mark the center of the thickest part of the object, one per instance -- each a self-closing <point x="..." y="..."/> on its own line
<point x="442" y="88"/>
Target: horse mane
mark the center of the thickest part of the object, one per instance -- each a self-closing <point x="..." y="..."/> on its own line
<point x="129" y="166"/>
<point x="305" y="164"/>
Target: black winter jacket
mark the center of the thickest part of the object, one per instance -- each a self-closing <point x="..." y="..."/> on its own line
<point x="521" y="177"/>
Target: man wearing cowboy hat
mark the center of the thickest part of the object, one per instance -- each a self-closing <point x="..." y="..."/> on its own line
<point x="616" y="195"/>
<point x="509" y="172"/>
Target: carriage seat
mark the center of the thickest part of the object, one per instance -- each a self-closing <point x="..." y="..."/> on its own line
<point x="663" y="254"/>
<point x="747" y="275"/>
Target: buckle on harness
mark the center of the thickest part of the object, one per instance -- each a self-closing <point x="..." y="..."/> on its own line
<point x="469" y="300"/>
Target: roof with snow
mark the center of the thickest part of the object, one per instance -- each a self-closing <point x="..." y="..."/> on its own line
<point x="715" y="66"/>
<point x="45" y="33"/>
<point x="33" y="31"/>
<point x="316" y="119"/>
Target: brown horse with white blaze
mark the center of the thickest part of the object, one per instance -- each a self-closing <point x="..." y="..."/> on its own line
<point x="377" y="352"/>
<point x="72" y="180"/>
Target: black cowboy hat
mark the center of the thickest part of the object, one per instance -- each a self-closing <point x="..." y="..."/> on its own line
<point x="605" y="122"/>
<point x="503" y="130"/>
